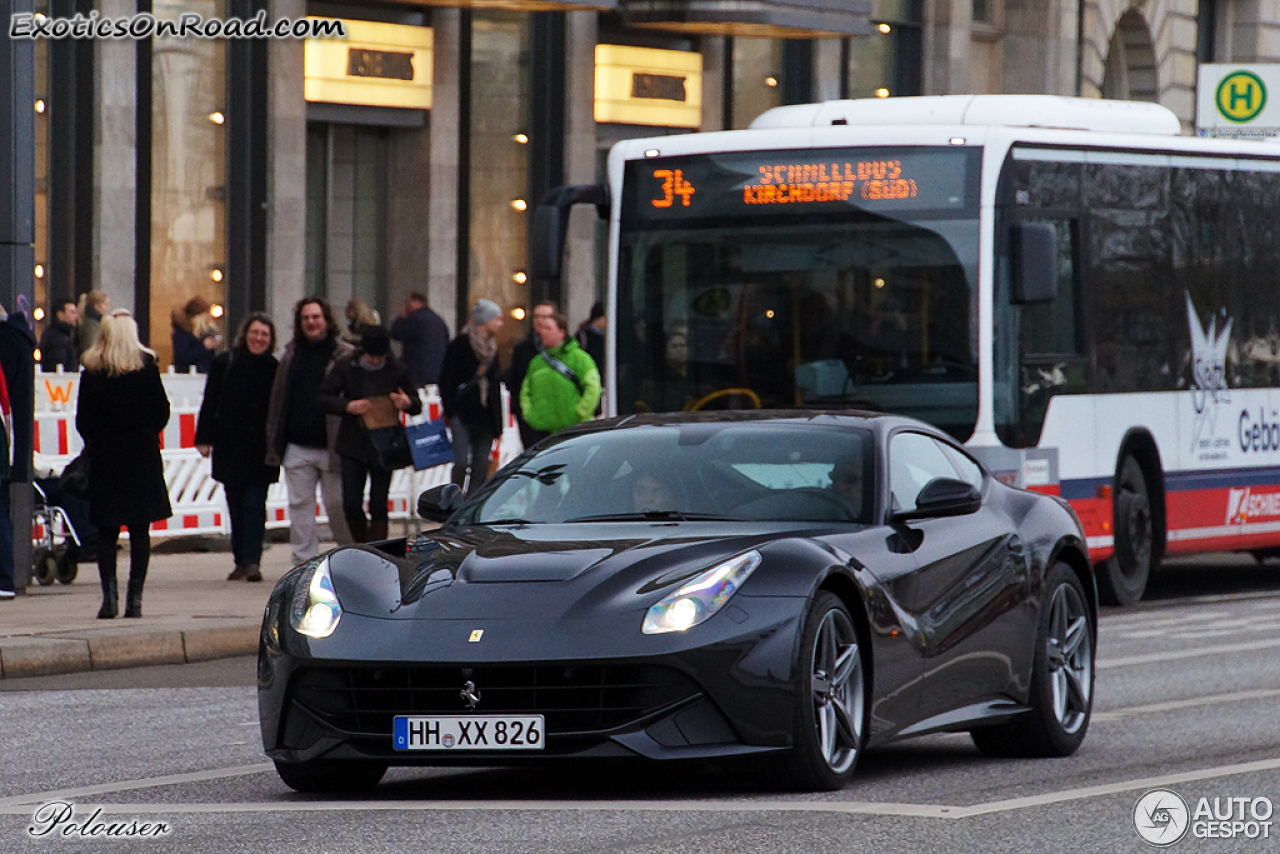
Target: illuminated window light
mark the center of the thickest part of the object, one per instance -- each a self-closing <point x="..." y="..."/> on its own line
<point x="216" y="310"/>
<point x="40" y="105"/>
<point x="521" y="139"/>
<point x="885" y="28"/>
<point x="882" y="92"/>
<point x="217" y="117"/>
<point x="771" y="82"/>
<point x="39" y="271"/>
<point x="520" y="277"/>
<point x="36" y="355"/>
<point x="216" y="274"/>
<point x="520" y="204"/>
<point x="517" y="313"/>
<point x="38" y="314"/>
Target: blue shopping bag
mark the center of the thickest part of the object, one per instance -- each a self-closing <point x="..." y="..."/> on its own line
<point x="429" y="444"/>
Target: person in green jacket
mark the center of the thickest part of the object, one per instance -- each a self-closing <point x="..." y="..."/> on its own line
<point x="562" y="386"/>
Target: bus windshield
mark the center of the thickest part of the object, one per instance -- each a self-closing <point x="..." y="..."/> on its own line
<point x="816" y="293"/>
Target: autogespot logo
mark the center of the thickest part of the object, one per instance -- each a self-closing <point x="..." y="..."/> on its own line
<point x="1161" y="817"/>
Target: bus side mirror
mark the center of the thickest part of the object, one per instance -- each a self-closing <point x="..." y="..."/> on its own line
<point x="550" y="218"/>
<point x="1034" y="251"/>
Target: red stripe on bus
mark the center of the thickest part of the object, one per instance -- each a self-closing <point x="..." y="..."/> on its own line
<point x="63" y="444"/>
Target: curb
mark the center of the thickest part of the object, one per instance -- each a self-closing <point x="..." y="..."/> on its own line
<point x="57" y="654"/>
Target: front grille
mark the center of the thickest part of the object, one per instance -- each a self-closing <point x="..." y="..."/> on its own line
<point x="575" y="699"/>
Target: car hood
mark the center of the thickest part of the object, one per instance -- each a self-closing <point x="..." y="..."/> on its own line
<point x="552" y="571"/>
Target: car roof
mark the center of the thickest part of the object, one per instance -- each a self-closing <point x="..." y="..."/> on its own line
<point x="877" y="422"/>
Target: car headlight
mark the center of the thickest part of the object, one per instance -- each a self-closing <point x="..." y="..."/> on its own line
<point x="701" y="597"/>
<point x="315" y="610"/>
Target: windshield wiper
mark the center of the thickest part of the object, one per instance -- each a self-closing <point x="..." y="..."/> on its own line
<point x="651" y="516"/>
<point x="504" y="522"/>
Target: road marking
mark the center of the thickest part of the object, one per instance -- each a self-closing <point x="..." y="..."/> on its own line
<point x="11" y="806"/>
<point x="1174" y="705"/>
<point x="1178" y="654"/>
<point x="129" y="785"/>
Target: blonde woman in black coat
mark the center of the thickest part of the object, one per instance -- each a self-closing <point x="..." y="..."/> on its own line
<point x="122" y="408"/>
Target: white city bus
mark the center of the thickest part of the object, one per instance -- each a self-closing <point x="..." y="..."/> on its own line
<point x="1086" y="298"/>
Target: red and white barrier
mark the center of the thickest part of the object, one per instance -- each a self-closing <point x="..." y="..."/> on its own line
<point x="199" y="505"/>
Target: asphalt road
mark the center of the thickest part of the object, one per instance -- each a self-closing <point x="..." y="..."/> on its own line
<point x="1188" y="698"/>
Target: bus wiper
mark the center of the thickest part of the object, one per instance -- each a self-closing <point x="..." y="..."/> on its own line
<point x="504" y="522"/>
<point x="651" y="516"/>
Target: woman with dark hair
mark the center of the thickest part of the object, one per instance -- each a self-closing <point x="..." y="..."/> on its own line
<point x="233" y="428"/>
<point x="368" y="390"/>
<point x="121" y="409"/>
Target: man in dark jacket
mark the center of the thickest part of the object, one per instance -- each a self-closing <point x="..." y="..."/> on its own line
<point x="525" y="352"/>
<point x="471" y="393"/>
<point x="424" y="338"/>
<point x="58" y="341"/>
<point x="300" y="435"/>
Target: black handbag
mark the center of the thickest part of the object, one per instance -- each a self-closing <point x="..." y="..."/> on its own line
<point x="390" y="447"/>
<point x="74" y="480"/>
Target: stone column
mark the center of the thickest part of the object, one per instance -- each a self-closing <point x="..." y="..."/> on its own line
<point x="827" y="70"/>
<point x="115" y="160"/>
<point x="947" y="39"/>
<point x="579" y="284"/>
<point x="442" y="223"/>
<point x="714" y="73"/>
<point x="286" y="172"/>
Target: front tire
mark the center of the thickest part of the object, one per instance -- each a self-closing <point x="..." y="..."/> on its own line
<point x="327" y="776"/>
<point x="45" y="566"/>
<point x="830" y="709"/>
<point x="1061" y="679"/>
<point x="1123" y="578"/>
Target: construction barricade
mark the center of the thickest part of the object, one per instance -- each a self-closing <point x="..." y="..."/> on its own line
<point x="199" y="506"/>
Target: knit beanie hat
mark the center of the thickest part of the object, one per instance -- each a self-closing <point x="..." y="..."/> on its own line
<point x="483" y="311"/>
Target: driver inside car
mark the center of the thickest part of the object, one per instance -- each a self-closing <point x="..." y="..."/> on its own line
<point x="649" y="493"/>
<point x="846" y="482"/>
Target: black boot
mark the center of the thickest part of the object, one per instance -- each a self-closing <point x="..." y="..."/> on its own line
<point x="133" y="599"/>
<point x="359" y="527"/>
<point x="110" y="603"/>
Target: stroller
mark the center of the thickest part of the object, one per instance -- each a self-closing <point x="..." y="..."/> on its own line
<point x="62" y="537"/>
<point x="55" y="545"/>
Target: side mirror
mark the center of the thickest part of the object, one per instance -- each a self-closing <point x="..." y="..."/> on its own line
<point x="550" y="220"/>
<point x="943" y="496"/>
<point x="1033" y="251"/>
<point x="438" y="503"/>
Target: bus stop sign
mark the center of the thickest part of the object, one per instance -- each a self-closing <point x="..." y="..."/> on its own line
<point x="1235" y="101"/>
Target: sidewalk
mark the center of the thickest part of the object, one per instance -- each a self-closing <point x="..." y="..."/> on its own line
<point x="190" y="612"/>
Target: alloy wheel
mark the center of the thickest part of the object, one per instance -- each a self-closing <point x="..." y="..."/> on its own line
<point x="837" y="687"/>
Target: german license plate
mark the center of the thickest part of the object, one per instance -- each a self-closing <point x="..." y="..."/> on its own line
<point x="468" y="732"/>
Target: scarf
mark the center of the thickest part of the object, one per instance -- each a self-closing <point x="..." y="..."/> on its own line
<point x="486" y="350"/>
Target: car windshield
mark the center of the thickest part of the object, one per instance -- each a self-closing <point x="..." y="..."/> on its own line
<point x="737" y="471"/>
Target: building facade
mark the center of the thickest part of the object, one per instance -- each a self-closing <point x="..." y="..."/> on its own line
<point x="251" y="172"/>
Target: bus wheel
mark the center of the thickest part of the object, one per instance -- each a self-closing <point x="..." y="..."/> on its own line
<point x="1124" y="577"/>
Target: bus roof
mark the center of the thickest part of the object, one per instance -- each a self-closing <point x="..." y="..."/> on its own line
<point x="1047" y="111"/>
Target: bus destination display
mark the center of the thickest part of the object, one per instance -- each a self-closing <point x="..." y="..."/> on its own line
<point x="761" y="182"/>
